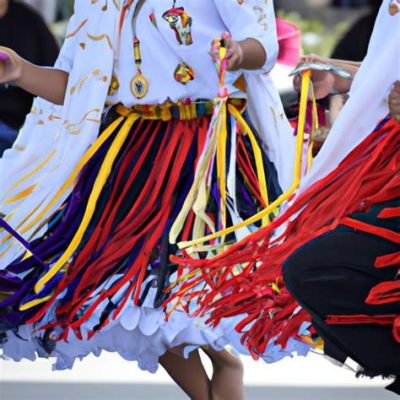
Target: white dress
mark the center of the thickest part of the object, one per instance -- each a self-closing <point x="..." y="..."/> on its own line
<point x="91" y="55"/>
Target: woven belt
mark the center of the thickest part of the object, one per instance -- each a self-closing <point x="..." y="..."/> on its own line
<point x="180" y="110"/>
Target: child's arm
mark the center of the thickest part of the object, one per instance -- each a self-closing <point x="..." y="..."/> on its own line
<point x="48" y="83"/>
<point x="246" y="54"/>
<point x="254" y="43"/>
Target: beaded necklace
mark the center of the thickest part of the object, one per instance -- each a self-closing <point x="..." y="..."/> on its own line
<point x="183" y="73"/>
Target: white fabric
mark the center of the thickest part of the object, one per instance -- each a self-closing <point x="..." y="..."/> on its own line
<point x="269" y="119"/>
<point x="54" y="139"/>
<point x="63" y="132"/>
<point x="140" y="334"/>
<point x="368" y="99"/>
<point x="161" y="52"/>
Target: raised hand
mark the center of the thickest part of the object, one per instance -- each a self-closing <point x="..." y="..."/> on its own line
<point x="234" y="54"/>
<point x="329" y="76"/>
<point x="323" y="81"/>
<point x="247" y="54"/>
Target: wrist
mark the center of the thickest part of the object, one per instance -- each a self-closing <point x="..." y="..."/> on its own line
<point x="341" y="86"/>
<point x="240" y="56"/>
<point x="20" y="71"/>
<point x="254" y="55"/>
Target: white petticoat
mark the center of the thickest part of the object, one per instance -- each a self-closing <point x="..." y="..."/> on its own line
<point x="139" y="334"/>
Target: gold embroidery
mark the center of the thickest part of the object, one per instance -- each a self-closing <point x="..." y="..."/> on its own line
<point x="73" y="33"/>
<point x="99" y="38"/>
<point x="53" y="117"/>
<point x="73" y="129"/>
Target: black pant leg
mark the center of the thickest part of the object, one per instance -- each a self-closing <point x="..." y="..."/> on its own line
<point x="332" y="275"/>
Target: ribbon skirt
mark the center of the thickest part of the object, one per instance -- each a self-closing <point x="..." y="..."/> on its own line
<point x="111" y="235"/>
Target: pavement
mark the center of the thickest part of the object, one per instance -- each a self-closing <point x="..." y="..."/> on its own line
<point x="69" y="391"/>
<point x="111" y="378"/>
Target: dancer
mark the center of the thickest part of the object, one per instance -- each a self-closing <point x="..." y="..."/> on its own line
<point x="338" y="241"/>
<point x="150" y="144"/>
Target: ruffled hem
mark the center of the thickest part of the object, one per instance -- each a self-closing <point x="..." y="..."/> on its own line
<point x="140" y="334"/>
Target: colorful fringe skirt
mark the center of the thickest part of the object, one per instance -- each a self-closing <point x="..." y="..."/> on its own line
<point x="246" y="280"/>
<point x="97" y="277"/>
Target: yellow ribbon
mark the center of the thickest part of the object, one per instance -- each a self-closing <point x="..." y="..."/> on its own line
<point x="98" y="185"/>
<point x="70" y="181"/>
<point x="298" y="164"/>
<point x="257" y="155"/>
<point x="314" y="128"/>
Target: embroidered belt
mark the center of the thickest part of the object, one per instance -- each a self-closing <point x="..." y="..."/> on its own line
<point x="180" y="110"/>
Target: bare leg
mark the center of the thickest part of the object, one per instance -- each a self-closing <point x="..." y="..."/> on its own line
<point x="189" y="374"/>
<point x="227" y="379"/>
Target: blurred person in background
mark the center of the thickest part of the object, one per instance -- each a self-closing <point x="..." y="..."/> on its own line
<point x="353" y="46"/>
<point x="350" y="3"/>
<point x="36" y="44"/>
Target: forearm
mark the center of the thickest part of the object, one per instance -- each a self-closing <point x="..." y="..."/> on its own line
<point x="254" y="55"/>
<point x="343" y="85"/>
<point x="48" y="83"/>
<point x="349" y="66"/>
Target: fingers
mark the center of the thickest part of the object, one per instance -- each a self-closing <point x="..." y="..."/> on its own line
<point x="234" y="54"/>
<point x="234" y="62"/>
<point x="314" y="58"/>
<point x="394" y="101"/>
<point x="394" y="97"/>
<point x="323" y="83"/>
<point x="308" y="58"/>
<point x="3" y="56"/>
<point x="297" y="83"/>
<point x="10" y="65"/>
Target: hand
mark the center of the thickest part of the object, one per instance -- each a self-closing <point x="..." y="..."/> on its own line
<point x="315" y="58"/>
<point x="10" y="65"/>
<point x="234" y="54"/>
<point x="394" y="102"/>
<point x="323" y="81"/>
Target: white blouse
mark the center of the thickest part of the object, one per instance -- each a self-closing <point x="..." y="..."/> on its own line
<point x="170" y="39"/>
<point x="55" y="138"/>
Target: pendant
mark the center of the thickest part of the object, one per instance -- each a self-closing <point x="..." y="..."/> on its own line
<point x="139" y="85"/>
<point x="183" y="73"/>
<point x="181" y="23"/>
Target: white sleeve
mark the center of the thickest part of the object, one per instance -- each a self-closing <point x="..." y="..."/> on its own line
<point x="252" y="19"/>
<point x="71" y="42"/>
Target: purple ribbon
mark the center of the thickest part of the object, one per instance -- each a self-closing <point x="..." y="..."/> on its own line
<point x="11" y="231"/>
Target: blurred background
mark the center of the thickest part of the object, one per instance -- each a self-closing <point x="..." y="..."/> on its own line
<point x="339" y="28"/>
